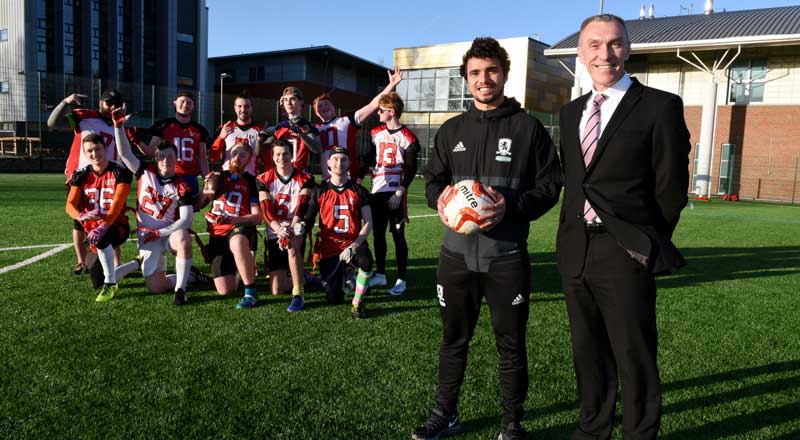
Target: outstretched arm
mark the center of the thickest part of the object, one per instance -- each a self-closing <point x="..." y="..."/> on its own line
<point x="56" y="116"/>
<point x="368" y="110"/>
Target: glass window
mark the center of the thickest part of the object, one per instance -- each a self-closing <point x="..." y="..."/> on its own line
<point x="747" y="80"/>
<point x="3" y="34"/>
<point x="726" y="168"/>
<point x="694" y="168"/>
<point x="440" y="90"/>
<point x="427" y="73"/>
<point x="412" y="73"/>
<point x="413" y="89"/>
<point x="3" y="86"/>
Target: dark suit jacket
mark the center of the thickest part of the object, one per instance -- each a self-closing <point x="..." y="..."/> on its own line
<point x="637" y="180"/>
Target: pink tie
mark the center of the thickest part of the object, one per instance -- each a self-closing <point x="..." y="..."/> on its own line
<point x="591" y="135"/>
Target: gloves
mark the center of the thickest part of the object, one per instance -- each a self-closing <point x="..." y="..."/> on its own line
<point x="89" y="215"/>
<point x="97" y="234"/>
<point x="134" y="135"/>
<point x="299" y="228"/>
<point x="148" y="235"/>
<point x="118" y="116"/>
<point x="347" y="254"/>
<point x="211" y="217"/>
<point x="267" y="135"/>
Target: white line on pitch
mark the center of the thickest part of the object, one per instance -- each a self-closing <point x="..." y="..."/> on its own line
<point x="31" y="260"/>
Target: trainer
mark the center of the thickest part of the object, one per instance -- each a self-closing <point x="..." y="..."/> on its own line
<point x="625" y="152"/>
<point x="510" y="152"/>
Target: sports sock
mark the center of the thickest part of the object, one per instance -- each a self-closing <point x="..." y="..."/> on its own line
<point x="361" y="286"/>
<point x="250" y="290"/>
<point x="182" y="272"/>
<point x="297" y="291"/>
<point x="124" y="269"/>
<point x="106" y="257"/>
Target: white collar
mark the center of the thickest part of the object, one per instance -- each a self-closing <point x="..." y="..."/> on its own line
<point x="617" y="90"/>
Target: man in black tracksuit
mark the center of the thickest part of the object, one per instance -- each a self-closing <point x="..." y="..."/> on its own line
<point x="497" y="143"/>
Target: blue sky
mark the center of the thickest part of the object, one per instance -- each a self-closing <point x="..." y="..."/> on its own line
<point x="372" y="29"/>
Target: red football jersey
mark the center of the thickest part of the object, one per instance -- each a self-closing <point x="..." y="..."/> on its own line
<point x="98" y="189"/>
<point x="187" y="137"/>
<point x="341" y="131"/>
<point x="339" y="215"/>
<point x="158" y="199"/>
<point x="285" y="193"/>
<point x="301" y="152"/>
<point x="236" y="196"/>
<point x="83" y="123"/>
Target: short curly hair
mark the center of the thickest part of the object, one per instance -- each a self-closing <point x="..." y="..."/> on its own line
<point x="486" y="47"/>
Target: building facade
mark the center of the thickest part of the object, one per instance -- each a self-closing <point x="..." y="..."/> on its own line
<point x="433" y="90"/>
<point x="755" y="152"/>
<point x="52" y="48"/>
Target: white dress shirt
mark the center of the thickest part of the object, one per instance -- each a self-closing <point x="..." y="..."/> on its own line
<point x="614" y="95"/>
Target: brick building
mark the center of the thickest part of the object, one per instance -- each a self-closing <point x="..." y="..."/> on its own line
<point x="756" y="135"/>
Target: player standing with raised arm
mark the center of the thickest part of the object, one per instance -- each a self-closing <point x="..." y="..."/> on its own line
<point x="510" y="152"/>
<point x="240" y="131"/>
<point x="232" y="224"/>
<point x="344" y="225"/>
<point x="283" y="193"/>
<point x="343" y="130"/>
<point x="396" y="150"/>
<point x="163" y="215"/>
<point x="85" y="122"/>
<point x="96" y="200"/>
<point x="189" y="138"/>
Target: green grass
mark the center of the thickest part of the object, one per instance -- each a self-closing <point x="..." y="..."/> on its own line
<point x="137" y="367"/>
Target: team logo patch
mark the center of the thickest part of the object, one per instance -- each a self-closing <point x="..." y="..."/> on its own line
<point x="503" y="153"/>
<point x="459" y="147"/>
<point x="440" y="295"/>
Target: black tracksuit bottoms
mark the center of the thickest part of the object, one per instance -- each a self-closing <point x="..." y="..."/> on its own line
<point x="506" y="287"/>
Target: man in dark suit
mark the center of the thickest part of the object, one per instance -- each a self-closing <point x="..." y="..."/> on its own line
<point x="624" y="149"/>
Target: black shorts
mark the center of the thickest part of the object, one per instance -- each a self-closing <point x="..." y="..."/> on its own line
<point x="222" y="261"/>
<point x="115" y="236"/>
<point x="278" y="259"/>
<point x="77" y="226"/>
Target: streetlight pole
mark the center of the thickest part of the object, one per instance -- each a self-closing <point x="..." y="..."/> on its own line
<point x="222" y="77"/>
<point x="601" y="7"/>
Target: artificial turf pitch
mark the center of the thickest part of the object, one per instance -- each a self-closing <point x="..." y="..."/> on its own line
<point x="138" y="367"/>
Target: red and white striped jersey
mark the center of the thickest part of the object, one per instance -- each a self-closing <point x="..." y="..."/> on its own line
<point x="157" y="199"/>
<point x="341" y="131"/>
<point x="234" y="201"/>
<point x="390" y="147"/>
<point x="285" y="193"/>
<point x="246" y="134"/>
<point x="83" y="123"/>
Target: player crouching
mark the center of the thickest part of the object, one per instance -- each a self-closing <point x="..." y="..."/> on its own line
<point x="163" y="215"/>
<point x="97" y="200"/>
<point x="345" y="222"/>
<point x="232" y="224"/>
<point x="283" y="192"/>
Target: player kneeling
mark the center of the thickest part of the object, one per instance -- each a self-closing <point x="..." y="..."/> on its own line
<point x="283" y="193"/>
<point x="345" y="222"/>
<point x="232" y="224"/>
<point x="96" y="199"/>
<point x="163" y="215"/>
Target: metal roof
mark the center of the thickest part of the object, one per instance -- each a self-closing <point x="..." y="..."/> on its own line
<point x="719" y="29"/>
<point x="345" y="56"/>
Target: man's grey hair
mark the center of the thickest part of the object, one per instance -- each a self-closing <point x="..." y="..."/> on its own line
<point x="606" y="18"/>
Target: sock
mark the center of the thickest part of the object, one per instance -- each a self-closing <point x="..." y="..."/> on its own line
<point x="182" y="272"/>
<point x="106" y="257"/>
<point x="124" y="269"/>
<point x="297" y="291"/>
<point x="250" y="290"/>
<point x="361" y="286"/>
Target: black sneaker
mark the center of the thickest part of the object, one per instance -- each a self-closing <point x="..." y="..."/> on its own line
<point x="199" y="277"/>
<point x="79" y="269"/>
<point x="358" y="311"/>
<point x="180" y="298"/>
<point x="438" y="425"/>
<point x="512" y="431"/>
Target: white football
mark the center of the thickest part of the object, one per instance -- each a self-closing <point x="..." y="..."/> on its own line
<point x="466" y="205"/>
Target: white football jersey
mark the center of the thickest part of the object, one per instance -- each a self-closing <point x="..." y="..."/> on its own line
<point x="157" y="201"/>
<point x="389" y="148"/>
<point x="249" y="136"/>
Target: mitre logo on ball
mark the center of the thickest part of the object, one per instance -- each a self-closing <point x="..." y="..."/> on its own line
<point x="466" y="206"/>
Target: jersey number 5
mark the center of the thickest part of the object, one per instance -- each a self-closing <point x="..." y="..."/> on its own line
<point x="341" y="213"/>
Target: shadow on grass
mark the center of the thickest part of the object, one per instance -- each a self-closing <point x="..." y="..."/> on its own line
<point x="735" y="425"/>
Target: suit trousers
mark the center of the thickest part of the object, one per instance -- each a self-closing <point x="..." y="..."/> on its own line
<point x="506" y="287"/>
<point x="611" y="307"/>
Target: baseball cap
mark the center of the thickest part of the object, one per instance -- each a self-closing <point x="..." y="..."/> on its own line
<point x="339" y="150"/>
<point x="291" y="90"/>
<point x="114" y="96"/>
<point x="185" y="93"/>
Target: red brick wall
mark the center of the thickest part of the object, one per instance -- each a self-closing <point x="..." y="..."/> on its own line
<point x="767" y="140"/>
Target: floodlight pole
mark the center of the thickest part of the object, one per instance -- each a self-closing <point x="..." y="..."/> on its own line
<point x="601" y="7"/>
<point x="708" y="122"/>
<point x="222" y="77"/>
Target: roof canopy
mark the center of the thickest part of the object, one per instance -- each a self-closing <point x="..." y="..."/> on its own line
<point x="719" y="30"/>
